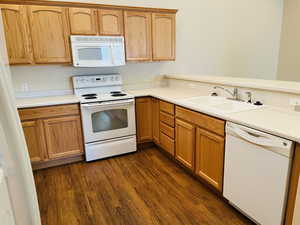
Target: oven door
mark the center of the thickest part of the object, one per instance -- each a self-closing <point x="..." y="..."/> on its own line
<point x="91" y="55"/>
<point x="108" y="120"/>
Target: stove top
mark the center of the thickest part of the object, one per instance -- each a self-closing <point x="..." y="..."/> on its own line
<point x="101" y="97"/>
<point x="98" y="88"/>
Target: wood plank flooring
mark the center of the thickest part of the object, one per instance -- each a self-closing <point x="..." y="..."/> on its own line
<point x="143" y="188"/>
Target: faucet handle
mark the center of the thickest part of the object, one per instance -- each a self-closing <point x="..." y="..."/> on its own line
<point x="249" y="95"/>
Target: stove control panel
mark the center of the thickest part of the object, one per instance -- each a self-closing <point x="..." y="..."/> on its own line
<point x="87" y="81"/>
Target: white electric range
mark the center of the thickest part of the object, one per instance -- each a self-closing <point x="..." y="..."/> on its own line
<point x="108" y="116"/>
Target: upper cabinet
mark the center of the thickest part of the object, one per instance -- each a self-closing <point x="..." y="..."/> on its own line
<point x="40" y="33"/>
<point x="83" y="21"/>
<point x="18" y="39"/>
<point x="163" y="36"/>
<point x="50" y="34"/>
<point x="138" y="36"/>
<point x="110" y="22"/>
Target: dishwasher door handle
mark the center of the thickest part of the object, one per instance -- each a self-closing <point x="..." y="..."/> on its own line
<point x="258" y="139"/>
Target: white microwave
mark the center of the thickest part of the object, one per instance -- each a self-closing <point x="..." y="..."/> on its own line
<point x="97" y="51"/>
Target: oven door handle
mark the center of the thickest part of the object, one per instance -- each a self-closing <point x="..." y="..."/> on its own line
<point x="105" y="104"/>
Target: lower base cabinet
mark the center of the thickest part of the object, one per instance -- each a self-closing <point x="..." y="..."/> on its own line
<point x="185" y="143"/>
<point x="33" y="132"/>
<point x="210" y="157"/>
<point x="155" y="120"/>
<point x="53" y="134"/>
<point x="143" y="108"/>
<point x="63" y="136"/>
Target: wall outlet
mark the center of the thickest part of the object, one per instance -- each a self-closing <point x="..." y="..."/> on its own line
<point x="24" y="87"/>
<point x="295" y="101"/>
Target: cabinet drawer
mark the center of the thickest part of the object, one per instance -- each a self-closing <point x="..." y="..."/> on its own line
<point x="210" y="123"/>
<point x="166" y="129"/>
<point x="167" y="143"/>
<point x="49" y="111"/>
<point x="167" y="107"/>
<point x="166" y="118"/>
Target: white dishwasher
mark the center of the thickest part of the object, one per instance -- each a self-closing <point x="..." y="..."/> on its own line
<point x="256" y="173"/>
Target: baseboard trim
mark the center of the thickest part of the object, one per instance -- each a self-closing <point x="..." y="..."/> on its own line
<point x="57" y="162"/>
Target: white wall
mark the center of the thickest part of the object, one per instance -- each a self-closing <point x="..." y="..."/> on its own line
<point x="288" y="66"/>
<point x="219" y="37"/>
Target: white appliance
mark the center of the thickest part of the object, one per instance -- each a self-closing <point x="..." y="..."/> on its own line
<point x="108" y="116"/>
<point x="18" y="198"/>
<point x="98" y="51"/>
<point x="256" y="173"/>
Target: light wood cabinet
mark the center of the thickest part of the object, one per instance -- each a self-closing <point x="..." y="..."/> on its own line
<point x="155" y="120"/>
<point x="33" y="132"/>
<point x="50" y="34"/>
<point x="138" y="36"/>
<point x="83" y="21"/>
<point x="167" y="143"/>
<point x="210" y="157"/>
<point x="53" y="134"/>
<point x="17" y="35"/>
<point x="63" y="136"/>
<point x="144" y="119"/>
<point x="294" y="185"/>
<point x="185" y="143"/>
<point x="163" y="36"/>
<point x="110" y="22"/>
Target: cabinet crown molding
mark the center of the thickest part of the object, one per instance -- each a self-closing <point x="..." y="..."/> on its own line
<point x="86" y="5"/>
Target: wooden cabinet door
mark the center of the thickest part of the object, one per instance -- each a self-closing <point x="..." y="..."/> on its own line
<point x="144" y="119"/>
<point x="83" y="21"/>
<point x="210" y="157"/>
<point x="110" y="22"/>
<point x="16" y="29"/>
<point x="34" y="135"/>
<point x="138" y="36"/>
<point x="294" y="185"/>
<point x="163" y="36"/>
<point x="50" y="34"/>
<point x="185" y="143"/>
<point x="63" y="136"/>
<point x="155" y="120"/>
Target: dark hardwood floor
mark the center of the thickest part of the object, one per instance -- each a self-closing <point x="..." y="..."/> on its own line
<point x="144" y="188"/>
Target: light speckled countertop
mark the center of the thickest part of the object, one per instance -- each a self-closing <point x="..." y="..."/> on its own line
<point x="273" y="120"/>
<point x="46" y="101"/>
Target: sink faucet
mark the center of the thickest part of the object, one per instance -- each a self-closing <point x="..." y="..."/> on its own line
<point x="234" y="94"/>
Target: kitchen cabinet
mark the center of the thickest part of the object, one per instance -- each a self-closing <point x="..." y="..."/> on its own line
<point x="210" y="157"/>
<point x="138" y="36"/>
<point x="163" y="36"/>
<point x="63" y="136"/>
<point x="296" y="217"/>
<point x="155" y="120"/>
<point x="83" y="21"/>
<point x="53" y="134"/>
<point x="166" y="127"/>
<point x="294" y="185"/>
<point x="17" y="35"/>
<point x="110" y="22"/>
<point x="33" y="132"/>
<point x="144" y="119"/>
<point x="50" y="34"/>
<point x="185" y="143"/>
<point x="39" y="34"/>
